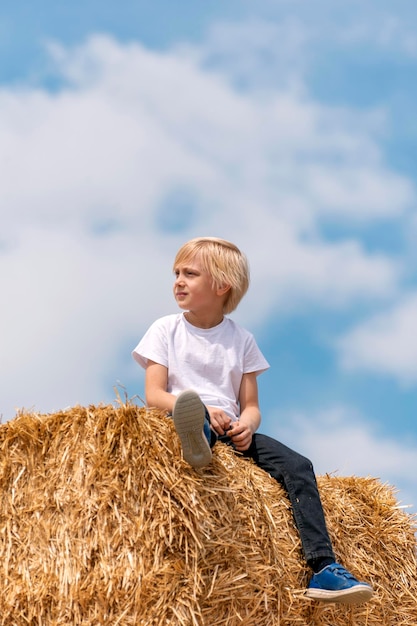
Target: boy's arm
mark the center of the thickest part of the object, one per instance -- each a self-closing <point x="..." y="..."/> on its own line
<point x="250" y="415"/>
<point x="156" y="395"/>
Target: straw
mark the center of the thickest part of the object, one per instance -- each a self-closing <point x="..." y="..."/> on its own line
<point x="103" y="522"/>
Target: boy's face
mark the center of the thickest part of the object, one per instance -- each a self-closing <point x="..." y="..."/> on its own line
<point x="194" y="289"/>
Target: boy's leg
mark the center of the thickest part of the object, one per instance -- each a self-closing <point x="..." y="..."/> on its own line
<point x="191" y="422"/>
<point x="331" y="582"/>
<point x="295" y="473"/>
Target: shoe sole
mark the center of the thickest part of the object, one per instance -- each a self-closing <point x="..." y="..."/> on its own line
<point x="189" y="416"/>
<point x="354" y="595"/>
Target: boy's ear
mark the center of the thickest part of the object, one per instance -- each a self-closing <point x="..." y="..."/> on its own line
<point x="223" y="289"/>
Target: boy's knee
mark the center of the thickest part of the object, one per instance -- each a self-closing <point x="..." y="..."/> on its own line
<point x="301" y="463"/>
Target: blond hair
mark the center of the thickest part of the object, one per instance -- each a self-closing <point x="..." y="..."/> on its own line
<point x="223" y="261"/>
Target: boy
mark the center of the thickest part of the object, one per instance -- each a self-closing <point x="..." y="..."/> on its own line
<point x="202" y="368"/>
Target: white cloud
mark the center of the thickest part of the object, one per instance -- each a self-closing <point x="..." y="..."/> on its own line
<point x="256" y="53"/>
<point x="341" y="441"/>
<point x="389" y="32"/>
<point x="380" y="26"/>
<point x="67" y="304"/>
<point x="358" y="191"/>
<point x="149" y="149"/>
<point x="386" y="343"/>
<point x="133" y="121"/>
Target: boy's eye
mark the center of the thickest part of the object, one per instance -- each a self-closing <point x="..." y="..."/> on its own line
<point x="186" y="272"/>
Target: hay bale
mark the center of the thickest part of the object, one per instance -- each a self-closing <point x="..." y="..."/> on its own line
<point x="102" y="522"/>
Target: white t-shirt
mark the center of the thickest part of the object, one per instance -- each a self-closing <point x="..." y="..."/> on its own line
<point x="210" y="361"/>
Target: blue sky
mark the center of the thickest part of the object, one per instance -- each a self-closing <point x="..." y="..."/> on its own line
<point x="288" y="127"/>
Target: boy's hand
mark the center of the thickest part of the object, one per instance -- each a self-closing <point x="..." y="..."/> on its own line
<point x="220" y="421"/>
<point x="241" y="435"/>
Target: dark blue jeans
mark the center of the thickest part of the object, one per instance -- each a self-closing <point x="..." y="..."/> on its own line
<point x="296" y="475"/>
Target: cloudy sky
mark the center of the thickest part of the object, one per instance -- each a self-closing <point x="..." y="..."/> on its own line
<point x="288" y="127"/>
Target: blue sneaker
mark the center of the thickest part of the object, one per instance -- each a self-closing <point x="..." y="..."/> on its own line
<point x="335" y="584"/>
<point x="190" y="418"/>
